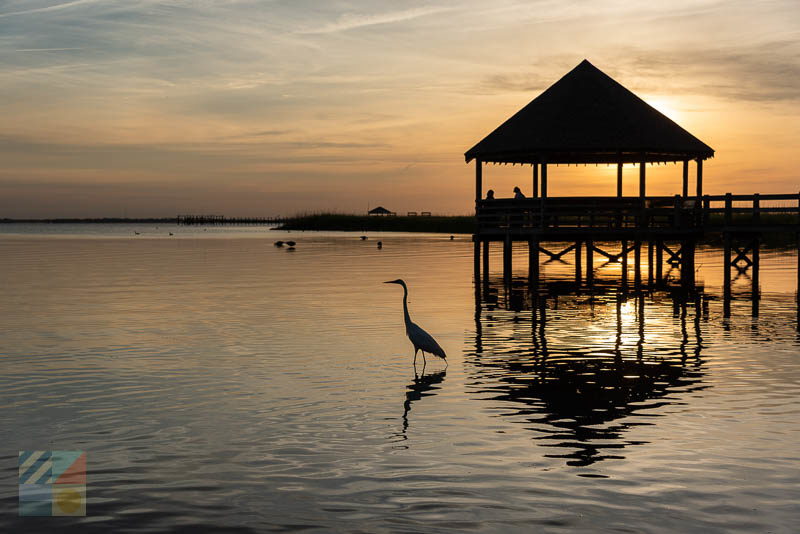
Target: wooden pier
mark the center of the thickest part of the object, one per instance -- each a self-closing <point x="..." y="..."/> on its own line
<point x="588" y="118"/>
<point x="666" y="229"/>
<point x="221" y="219"/>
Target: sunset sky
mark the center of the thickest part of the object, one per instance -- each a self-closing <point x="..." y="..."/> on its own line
<point x="141" y="108"/>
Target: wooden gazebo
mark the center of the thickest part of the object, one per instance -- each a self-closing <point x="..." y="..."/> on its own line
<point x="587" y="117"/>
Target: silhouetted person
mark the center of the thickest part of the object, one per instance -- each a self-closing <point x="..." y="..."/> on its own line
<point x="490" y="194"/>
<point x="518" y="193"/>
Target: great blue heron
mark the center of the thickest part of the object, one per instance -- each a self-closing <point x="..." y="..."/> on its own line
<point x="421" y="340"/>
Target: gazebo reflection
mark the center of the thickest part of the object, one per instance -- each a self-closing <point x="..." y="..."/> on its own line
<point x="581" y="370"/>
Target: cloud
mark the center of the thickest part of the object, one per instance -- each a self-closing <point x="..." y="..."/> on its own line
<point x="352" y="21"/>
<point x="45" y="49"/>
<point x="769" y="72"/>
<point x="56" y="7"/>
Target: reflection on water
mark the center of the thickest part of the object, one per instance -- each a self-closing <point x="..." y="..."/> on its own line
<point x="576" y="364"/>
<point x="424" y="385"/>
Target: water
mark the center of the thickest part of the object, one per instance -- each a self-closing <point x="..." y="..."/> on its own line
<point x="221" y="383"/>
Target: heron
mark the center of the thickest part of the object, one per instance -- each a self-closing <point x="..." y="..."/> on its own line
<point x="421" y="340"/>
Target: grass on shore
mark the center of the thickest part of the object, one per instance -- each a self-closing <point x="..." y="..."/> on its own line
<point x="458" y="224"/>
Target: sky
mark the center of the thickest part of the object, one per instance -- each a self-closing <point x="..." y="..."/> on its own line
<point x="141" y="108"/>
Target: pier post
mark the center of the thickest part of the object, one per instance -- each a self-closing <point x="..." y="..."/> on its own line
<point x="659" y="262"/>
<point x="625" y="265"/>
<point x="578" y="275"/>
<point x="476" y="264"/>
<point x="637" y="263"/>
<point x="486" y="263"/>
<point x="650" y="263"/>
<point x="687" y="263"/>
<point x="726" y="284"/>
<point x="755" y="293"/>
<point x="535" y="180"/>
<point x="533" y="262"/>
<point x="507" y="262"/>
<point x="589" y="263"/>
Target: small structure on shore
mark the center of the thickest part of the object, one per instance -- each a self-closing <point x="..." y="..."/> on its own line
<point x="380" y="211"/>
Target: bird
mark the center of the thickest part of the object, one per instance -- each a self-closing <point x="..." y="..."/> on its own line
<point x="421" y="340"/>
<point x="452" y="237"/>
<point x="171" y="233"/>
<point x="291" y="243"/>
<point x="363" y="238"/>
<point x="380" y="244"/>
<point x="278" y="243"/>
<point x="135" y="232"/>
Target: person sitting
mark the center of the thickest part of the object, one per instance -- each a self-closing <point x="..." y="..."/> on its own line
<point x="517" y="193"/>
<point x="490" y="194"/>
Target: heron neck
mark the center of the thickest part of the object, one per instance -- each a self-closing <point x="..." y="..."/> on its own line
<point x="405" y="306"/>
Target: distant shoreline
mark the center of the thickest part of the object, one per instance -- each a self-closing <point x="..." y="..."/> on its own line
<point x="446" y="224"/>
<point x="106" y="220"/>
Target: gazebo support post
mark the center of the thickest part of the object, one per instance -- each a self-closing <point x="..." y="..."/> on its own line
<point x="685" y="178"/>
<point x="544" y="180"/>
<point x="478" y="182"/>
<point x="535" y="180"/>
<point x="642" y="195"/>
<point x="699" y="178"/>
<point x="619" y="179"/>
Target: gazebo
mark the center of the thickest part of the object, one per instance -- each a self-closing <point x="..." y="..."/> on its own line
<point x="380" y="210"/>
<point x="587" y="117"/>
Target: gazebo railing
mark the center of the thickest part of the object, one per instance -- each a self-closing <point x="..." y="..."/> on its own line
<point x="618" y="213"/>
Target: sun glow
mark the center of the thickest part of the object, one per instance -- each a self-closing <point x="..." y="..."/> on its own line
<point x="668" y="106"/>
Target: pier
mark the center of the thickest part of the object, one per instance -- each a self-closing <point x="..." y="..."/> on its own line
<point x="221" y="219"/>
<point x="588" y="118"/>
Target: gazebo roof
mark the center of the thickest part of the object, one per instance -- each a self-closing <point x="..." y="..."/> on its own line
<point x="379" y="210"/>
<point x="587" y="117"/>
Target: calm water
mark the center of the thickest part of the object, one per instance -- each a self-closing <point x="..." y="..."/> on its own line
<point x="218" y="382"/>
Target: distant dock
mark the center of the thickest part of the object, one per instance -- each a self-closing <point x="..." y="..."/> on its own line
<point x="221" y="219"/>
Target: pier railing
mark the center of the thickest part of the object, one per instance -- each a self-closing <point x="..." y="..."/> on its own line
<point x="676" y="213"/>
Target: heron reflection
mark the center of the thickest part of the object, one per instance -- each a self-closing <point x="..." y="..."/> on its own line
<point x="581" y="370"/>
<point x="424" y="385"/>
